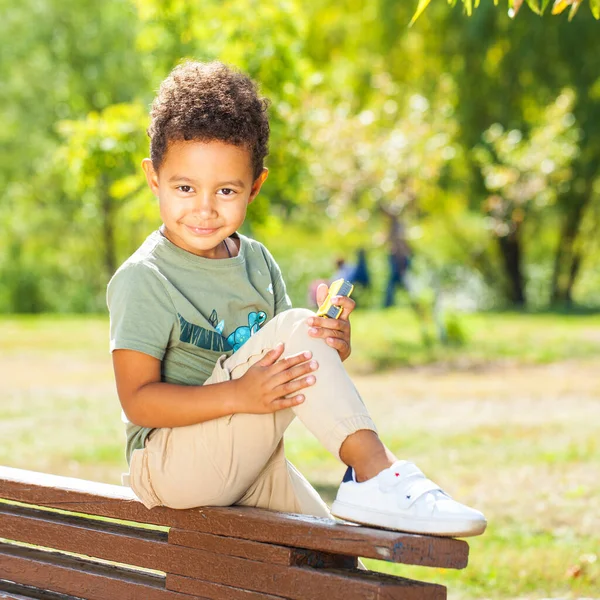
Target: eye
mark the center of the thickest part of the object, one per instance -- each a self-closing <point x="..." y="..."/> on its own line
<point x="186" y="189"/>
<point x="226" y="192"/>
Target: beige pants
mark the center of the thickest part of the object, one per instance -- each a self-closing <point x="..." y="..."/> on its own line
<point x="239" y="459"/>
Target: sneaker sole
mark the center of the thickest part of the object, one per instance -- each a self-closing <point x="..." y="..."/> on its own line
<point x="372" y="518"/>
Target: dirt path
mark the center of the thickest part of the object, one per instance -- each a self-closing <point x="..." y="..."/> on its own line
<point x="567" y="392"/>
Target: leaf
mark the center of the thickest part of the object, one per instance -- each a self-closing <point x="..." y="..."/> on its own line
<point x="420" y="8"/>
<point x="560" y="5"/>
<point x="534" y="5"/>
<point x="574" y="8"/>
<point x="468" y="7"/>
<point x="545" y="5"/>
<point x="514" y="7"/>
<point x="595" y="8"/>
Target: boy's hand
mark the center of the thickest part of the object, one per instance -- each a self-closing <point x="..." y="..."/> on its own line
<point x="271" y="384"/>
<point x="336" y="332"/>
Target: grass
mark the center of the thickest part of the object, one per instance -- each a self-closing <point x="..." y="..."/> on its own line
<point x="489" y="337"/>
<point x="517" y="436"/>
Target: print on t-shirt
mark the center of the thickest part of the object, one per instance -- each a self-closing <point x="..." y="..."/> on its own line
<point x="213" y="339"/>
<point x="242" y="334"/>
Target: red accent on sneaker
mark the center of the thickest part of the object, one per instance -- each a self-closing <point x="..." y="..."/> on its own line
<point x="397" y="474"/>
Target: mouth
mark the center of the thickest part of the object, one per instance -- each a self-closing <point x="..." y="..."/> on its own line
<point x="201" y="230"/>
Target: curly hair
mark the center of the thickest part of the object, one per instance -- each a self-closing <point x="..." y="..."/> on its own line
<point x="209" y="101"/>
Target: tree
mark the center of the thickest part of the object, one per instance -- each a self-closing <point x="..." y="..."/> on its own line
<point x="523" y="176"/>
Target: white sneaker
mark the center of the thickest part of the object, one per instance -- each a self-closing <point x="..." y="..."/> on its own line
<point x="402" y="498"/>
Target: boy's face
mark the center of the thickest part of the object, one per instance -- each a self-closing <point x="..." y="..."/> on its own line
<point x="203" y="189"/>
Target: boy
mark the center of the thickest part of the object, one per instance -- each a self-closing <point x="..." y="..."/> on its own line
<point x="212" y="363"/>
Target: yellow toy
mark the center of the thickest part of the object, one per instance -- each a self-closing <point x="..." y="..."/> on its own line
<point x="339" y="287"/>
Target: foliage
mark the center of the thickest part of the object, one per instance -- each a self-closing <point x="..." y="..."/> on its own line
<point x="537" y="6"/>
<point x="374" y="126"/>
<point x="386" y="159"/>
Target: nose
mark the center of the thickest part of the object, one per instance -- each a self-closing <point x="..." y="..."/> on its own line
<point x="204" y="205"/>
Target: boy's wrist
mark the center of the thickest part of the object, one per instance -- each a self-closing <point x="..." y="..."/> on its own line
<point x="232" y="398"/>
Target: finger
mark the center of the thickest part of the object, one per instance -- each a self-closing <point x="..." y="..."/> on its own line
<point x="295" y="372"/>
<point x="347" y="304"/>
<point x="322" y="292"/>
<point x="291" y="387"/>
<point x="327" y="323"/>
<point x="322" y="333"/>
<point x="271" y="356"/>
<point x="338" y="343"/>
<point x="291" y="361"/>
<point x="281" y="403"/>
<point x="341" y="345"/>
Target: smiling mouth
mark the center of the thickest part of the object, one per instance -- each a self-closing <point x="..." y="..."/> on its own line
<point x="201" y="230"/>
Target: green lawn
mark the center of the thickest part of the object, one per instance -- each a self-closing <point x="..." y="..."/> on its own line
<point x="489" y="337"/>
<point x="509" y="431"/>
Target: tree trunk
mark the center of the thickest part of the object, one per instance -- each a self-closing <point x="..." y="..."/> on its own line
<point x="108" y="230"/>
<point x="511" y="253"/>
<point x="566" y="260"/>
<point x="573" y="272"/>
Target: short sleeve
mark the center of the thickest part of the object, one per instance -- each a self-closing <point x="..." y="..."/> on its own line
<point x="142" y="315"/>
<point x="282" y="300"/>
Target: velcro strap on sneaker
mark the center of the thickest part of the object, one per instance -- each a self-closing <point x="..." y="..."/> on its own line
<point x="399" y="474"/>
<point x="414" y="489"/>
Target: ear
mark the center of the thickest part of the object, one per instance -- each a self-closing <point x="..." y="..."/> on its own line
<point x="151" y="175"/>
<point x="258" y="184"/>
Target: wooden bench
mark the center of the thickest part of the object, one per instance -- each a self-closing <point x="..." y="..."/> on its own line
<point x="231" y="553"/>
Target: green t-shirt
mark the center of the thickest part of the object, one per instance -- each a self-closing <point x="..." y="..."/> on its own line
<point x="187" y="310"/>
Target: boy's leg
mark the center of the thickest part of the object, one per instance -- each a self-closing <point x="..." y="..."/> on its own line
<point x="281" y="487"/>
<point x="392" y="494"/>
<point x="216" y="462"/>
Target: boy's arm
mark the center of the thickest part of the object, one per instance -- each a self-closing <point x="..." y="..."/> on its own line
<point x="148" y="402"/>
<point x="269" y="385"/>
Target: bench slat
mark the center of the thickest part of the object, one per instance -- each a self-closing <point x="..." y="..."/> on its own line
<point x="262" y="552"/>
<point x="215" y="591"/>
<point x="303" y="531"/>
<point x="128" y="545"/>
<point x="148" y="549"/>
<point x="86" y="579"/>
<point x="304" y="583"/>
<point x="142" y="547"/>
<point x="16" y="591"/>
<point x="311" y="533"/>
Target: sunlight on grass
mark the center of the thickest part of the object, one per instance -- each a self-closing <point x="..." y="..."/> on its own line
<point x="520" y="443"/>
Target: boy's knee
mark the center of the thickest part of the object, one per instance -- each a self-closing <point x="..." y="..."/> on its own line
<point x="298" y="314"/>
<point x="290" y="319"/>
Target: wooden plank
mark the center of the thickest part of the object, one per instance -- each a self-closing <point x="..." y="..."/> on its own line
<point x="302" y="531"/>
<point x="14" y="596"/>
<point x="305" y="583"/>
<point x="98" y="539"/>
<point x="269" y="553"/>
<point x="280" y="555"/>
<point x="215" y="591"/>
<point x="141" y="547"/>
<point x="69" y="575"/>
<point x="17" y="591"/>
<point x="312" y="533"/>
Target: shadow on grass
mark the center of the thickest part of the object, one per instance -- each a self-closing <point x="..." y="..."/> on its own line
<point x="327" y="491"/>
